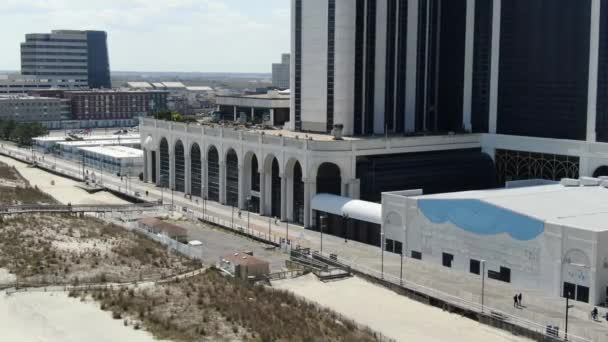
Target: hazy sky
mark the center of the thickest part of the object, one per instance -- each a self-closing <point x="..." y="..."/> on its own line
<point x="159" y="35"/>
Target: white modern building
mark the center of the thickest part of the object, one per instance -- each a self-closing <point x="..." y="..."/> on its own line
<point x="48" y="143"/>
<point x="73" y="149"/>
<point x="281" y="72"/>
<point x="549" y="237"/>
<point x="120" y="160"/>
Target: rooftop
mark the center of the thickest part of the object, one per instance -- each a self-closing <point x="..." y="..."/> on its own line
<point x="117" y="152"/>
<point x="27" y="97"/>
<point x="584" y="207"/>
<point x="244" y="259"/>
<point x="99" y="142"/>
<point x="87" y="137"/>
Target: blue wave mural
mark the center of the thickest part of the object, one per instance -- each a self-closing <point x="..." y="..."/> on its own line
<point x="481" y="218"/>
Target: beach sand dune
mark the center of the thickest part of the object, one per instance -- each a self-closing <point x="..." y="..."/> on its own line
<point x="395" y="316"/>
<point x="53" y="317"/>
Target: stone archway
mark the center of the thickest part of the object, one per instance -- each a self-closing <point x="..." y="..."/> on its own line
<point x="179" y="166"/>
<point x="164" y="174"/>
<point x="196" y="171"/>
<point x="213" y="174"/>
<point x="232" y="178"/>
<point x="329" y="179"/>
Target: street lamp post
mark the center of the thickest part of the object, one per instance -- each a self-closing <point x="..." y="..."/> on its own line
<point x="483" y="283"/>
<point x="322" y="223"/>
<point x="345" y="217"/>
<point x="287" y="227"/>
<point x="248" y="210"/>
<point x="382" y="255"/>
<point x="568" y="307"/>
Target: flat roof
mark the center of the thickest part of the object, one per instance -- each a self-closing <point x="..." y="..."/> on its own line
<point x="115" y="151"/>
<point x="583" y="207"/>
<point x="99" y="142"/>
<point x="140" y="85"/>
<point x="89" y="137"/>
<point x="199" y="88"/>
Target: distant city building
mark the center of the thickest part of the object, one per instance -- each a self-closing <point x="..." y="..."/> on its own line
<point x="111" y="104"/>
<point x="280" y="72"/>
<point x="67" y="58"/>
<point x="25" y="108"/>
<point x="20" y="84"/>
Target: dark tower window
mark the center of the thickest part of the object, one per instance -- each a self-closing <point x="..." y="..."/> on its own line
<point x="544" y="68"/>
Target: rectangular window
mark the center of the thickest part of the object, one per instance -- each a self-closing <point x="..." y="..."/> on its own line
<point x="582" y="294"/>
<point x="389" y="245"/>
<point x="398" y="247"/>
<point x="448" y="259"/>
<point x="474" y="266"/>
<point x="416" y="255"/>
<point x="569" y="290"/>
<point x="503" y="275"/>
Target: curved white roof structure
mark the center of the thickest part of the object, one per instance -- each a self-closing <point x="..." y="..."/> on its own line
<point x="356" y="209"/>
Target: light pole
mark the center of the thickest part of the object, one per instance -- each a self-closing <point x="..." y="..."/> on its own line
<point x="248" y="210"/>
<point x="269" y="228"/>
<point x="287" y="227"/>
<point x="483" y="282"/>
<point x="568" y="307"/>
<point x="322" y="223"/>
<point x="345" y="217"/>
<point x="382" y="254"/>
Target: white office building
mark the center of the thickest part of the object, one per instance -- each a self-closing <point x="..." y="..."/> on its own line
<point x="119" y="160"/>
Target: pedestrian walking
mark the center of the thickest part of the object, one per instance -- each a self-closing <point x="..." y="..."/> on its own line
<point x="515" y="301"/>
<point x="519" y="299"/>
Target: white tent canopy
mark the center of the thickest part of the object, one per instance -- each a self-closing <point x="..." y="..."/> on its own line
<point x="355" y="209"/>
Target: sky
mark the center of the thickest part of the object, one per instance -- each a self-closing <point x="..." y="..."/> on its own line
<point x="160" y="35"/>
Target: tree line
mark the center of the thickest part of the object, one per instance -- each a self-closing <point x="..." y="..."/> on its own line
<point x="21" y="132"/>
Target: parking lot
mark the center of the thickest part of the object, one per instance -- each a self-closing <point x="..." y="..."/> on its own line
<point x="218" y="242"/>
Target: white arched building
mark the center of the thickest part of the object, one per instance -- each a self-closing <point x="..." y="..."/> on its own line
<point x="278" y="171"/>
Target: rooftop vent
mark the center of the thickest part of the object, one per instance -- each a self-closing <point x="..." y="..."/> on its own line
<point x="570" y="182"/>
<point x="590" y="181"/>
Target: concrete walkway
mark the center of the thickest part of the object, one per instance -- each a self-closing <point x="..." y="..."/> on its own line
<point x="538" y="307"/>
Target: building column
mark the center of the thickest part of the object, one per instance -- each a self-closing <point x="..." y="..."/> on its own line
<point x="262" y="192"/>
<point x="171" y="170"/>
<point x="242" y="201"/>
<point x="271" y="116"/>
<point x="311" y="186"/>
<point x="289" y="198"/>
<point x="235" y="113"/>
<point x="222" y="166"/>
<point x="146" y="165"/>
<point x="594" y="50"/>
<point x="494" y="66"/>
<point x="268" y="192"/>
<point x="252" y="113"/>
<point x="283" y="197"/>
<point x="204" y="178"/>
<point x="158" y="180"/>
<point x="187" y="174"/>
<point x="344" y="189"/>
<point x="306" y="203"/>
<point x="468" y="66"/>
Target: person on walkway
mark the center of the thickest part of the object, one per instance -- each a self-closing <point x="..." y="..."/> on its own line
<point x="515" y="303"/>
<point x="519" y="299"/>
<point x="594" y="314"/>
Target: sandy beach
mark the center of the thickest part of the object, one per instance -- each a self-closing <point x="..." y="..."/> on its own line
<point x="64" y="190"/>
<point x="395" y="316"/>
<point x="53" y="317"/>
